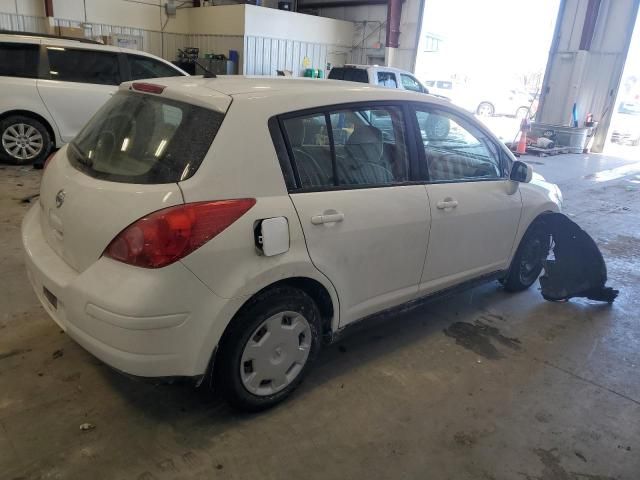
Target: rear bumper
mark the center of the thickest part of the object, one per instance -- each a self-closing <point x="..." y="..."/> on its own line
<point x="145" y="322"/>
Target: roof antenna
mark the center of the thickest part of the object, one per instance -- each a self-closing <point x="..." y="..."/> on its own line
<point x="207" y="73"/>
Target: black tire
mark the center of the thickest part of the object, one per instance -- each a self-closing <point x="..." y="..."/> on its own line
<point x="526" y="265"/>
<point x="17" y="120"/>
<point x="227" y="365"/>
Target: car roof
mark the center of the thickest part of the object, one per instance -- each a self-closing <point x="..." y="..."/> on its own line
<point x="56" y="41"/>
<point x="288" y="93"/>
<point x="376" y="67"/>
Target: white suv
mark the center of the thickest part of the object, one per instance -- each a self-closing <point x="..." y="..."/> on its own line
<point x="225" y="228"/>
<point x="388" y="77"/>
<point x="52" y="86"/>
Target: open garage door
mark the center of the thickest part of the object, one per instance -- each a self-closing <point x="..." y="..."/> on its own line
<point x="488" y="57"/>
<point x="586" y="61"/>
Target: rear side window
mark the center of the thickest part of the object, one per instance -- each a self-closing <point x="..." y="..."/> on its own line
<point x="387" y="79"/>
<point x="84" y="66"/>
<point x="144" y="67"/>
<point x="349" y="74"/>
<point x="19" y="60"/>
<point x="136" y="138"/>
<point x="359" y="146"/>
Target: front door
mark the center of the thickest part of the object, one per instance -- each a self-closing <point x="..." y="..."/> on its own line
<point x="366" y="228"/>
<point x="475" y="209"/>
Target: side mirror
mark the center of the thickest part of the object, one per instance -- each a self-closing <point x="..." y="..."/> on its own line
<point x="521" y="172"/>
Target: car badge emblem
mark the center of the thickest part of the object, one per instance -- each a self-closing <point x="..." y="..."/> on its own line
<point x="60" y="198"/>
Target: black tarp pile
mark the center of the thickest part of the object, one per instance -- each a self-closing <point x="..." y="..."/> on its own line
<point x="577" y="269"/>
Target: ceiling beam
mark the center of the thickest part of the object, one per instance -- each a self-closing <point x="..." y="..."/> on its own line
<point x="48" y="8"/>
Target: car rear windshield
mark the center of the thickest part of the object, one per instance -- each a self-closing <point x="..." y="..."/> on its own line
<point x="138" y="138"/>
<point x="349" y="74"/>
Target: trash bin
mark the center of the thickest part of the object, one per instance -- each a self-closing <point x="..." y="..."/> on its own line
<point x="573" y="138"/>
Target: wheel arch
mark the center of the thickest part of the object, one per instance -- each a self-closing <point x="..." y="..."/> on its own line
<point x="316" y="290"/>
<point x="324" y="297"/>
<point x="527" y="225"/>
<point x="28" y="113"/>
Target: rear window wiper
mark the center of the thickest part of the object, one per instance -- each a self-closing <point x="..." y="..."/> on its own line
<point x="80" y="157"/>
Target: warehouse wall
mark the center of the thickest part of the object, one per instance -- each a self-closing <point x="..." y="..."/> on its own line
<point x="370" y="33"/>
<point x="266" y="39"/>
<point x="23" y="7"/>
<point x="589" y="78"/>
<point x="278" y="40"/>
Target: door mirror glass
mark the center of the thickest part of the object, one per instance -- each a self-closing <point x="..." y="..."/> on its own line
<point x="521" y="172"/>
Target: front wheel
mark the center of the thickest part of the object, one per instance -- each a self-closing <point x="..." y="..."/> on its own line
<point x="527" y="263"/>
<point x="267" y="349"/>
<point x="485" y="109"/>
<point x="24" y="140"/>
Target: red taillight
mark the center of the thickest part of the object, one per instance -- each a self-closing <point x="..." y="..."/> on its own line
<point x="148" y="87"/>
<point x="168" y="235"/>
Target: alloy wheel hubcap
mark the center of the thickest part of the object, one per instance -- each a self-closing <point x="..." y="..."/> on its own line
<point x="275" y="353"/>
<point x="22" y="141"/>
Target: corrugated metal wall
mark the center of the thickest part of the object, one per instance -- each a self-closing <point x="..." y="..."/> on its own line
<point x="22" y="23"/>
<point x="264" y="55"/>
<point x="165" y="45"/>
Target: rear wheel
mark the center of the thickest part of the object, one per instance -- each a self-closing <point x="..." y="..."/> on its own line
<point x="268" y="349"/>
<point x="485" y="109"/>
<point x="24" y="140"/>
<point x="527" y="263"/>
<point x="522" y="112"/>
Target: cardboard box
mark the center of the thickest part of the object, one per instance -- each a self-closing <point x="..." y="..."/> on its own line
<point x="73" y="32"/>
<point x="104" y="39"/>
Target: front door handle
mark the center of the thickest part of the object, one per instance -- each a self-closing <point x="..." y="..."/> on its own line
<point x="447" y="203"/>
<point x="327" y="218"/>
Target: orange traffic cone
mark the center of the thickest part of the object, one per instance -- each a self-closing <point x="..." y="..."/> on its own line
<point x="522" y="143"/>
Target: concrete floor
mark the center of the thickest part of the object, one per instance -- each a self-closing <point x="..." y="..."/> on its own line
<point x="534" y="390"/>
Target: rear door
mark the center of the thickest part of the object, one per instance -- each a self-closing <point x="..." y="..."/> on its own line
<point x="366" y="226"/>
<point x="122" y="166"/>
<point x="79" y="82"/>
<point x="475" y="209"/>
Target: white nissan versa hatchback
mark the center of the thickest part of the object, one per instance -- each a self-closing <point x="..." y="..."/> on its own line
<point x="224" y="228"/>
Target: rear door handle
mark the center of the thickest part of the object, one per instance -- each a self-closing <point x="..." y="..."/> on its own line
<point x="447" y="203"/>
<point x="327" y="218"/>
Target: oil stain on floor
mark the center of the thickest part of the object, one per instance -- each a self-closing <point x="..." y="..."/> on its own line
<point x="480" y="338"/>
<point x="553" y="470"/>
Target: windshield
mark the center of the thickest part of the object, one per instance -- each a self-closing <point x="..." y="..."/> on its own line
<point x="137" y="138"/>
